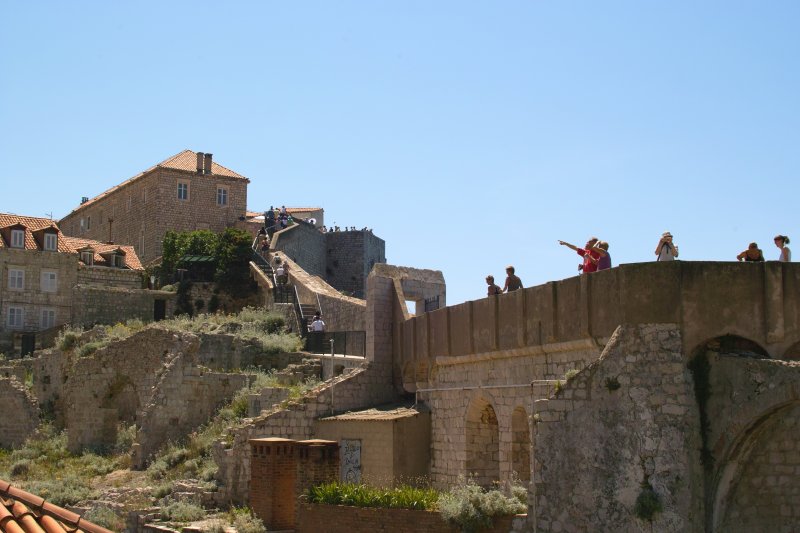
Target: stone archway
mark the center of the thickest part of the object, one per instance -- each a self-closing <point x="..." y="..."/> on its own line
<point x="759" y="484"/>
<point x="121" y="395"/>
<point x="793" y="353"/>
<point x="483" y="443"/>
<point x="733" y="345"/>
<point x="520" y="446"/>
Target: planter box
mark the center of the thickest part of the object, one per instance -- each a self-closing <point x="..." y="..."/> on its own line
<point x="313" y="518"/>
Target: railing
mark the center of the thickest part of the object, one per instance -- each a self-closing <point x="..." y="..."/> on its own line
<point x="431" y="304"/>
<point x="344" y="342"/>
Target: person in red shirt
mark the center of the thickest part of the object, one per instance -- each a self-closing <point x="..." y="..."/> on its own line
<point x="588" y="252"/>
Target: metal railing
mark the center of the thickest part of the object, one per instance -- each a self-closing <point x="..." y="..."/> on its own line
<point x="344" y="342"/>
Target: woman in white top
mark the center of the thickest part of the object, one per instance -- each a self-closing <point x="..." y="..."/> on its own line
<point x="666" y="250"/>
<point x="786" y="254"/>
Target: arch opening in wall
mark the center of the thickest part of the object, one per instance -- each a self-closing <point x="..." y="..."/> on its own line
<point x="733" y="345"/>
<point x="520" y="446"/>
<point x="757" y="484"/>
<point x="793" y="353"/>
<point x="121" y="395"/>
<point x="482" y="443"/>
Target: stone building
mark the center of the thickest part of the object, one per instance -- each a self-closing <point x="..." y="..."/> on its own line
<point x="186" y="192"/>
<point x="49" y="279"/>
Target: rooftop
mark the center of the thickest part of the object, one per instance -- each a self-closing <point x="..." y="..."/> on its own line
<point x="186" y="161"/>
<point x="21" y="511"/>
<point x="67" y="245"/>
<point x="389" y="412"/>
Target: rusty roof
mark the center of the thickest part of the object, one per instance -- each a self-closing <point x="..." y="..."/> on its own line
<point x="186" y="161"/>
<point x="23" y="512"/>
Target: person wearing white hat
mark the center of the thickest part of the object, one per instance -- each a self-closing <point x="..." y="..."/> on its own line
<point x="666" y="249"/>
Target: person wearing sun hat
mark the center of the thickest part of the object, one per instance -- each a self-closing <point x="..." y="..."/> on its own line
<point x="666" y="249"/>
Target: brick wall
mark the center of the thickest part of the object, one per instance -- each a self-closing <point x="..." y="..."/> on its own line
<point x="272" y="485"/>
<point x="313" y="518"/>
<point x="21" y="413"/>
<point x="143" y="210"/>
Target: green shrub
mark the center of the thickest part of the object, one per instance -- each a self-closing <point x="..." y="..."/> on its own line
<point x="20" y="469"/>
<point x="126" y="436"/>
<point x="89" y="348"/>
<point x="248" y="523"/>
<point x="106" y="517"/>
<point x="68" y="338"/>
<point x="471" y="508"/>
<point x="571" y="373"/>
<point x="360" y="495"/>
<point x="183" y="512"/>
<point x="61" y="491"/>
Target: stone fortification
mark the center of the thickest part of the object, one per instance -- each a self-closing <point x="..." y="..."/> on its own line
<point x="350" y="258"/>
<point x="622" y="427"/>
<point x="103" y="276"/>
<point x="305" y="245"/>
<point x="21" y="413"/>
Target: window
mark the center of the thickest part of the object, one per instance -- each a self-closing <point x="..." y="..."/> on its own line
<point x="88" y="222"/>
<point x="144" y="196"/>
<point x="16" y="279"/>
<point x="48" y="319"/>
<point x="183" y="190"/>
<point x="15" y="317"/>
<point x="130" y="201"/>
<point x="119" y="261"/>
<point x="17" y="238"/>
<point x="51" y="242"/>
<point x="87" y="258"/>
<point x="222" y="196"/>
<point x="49" y="281"/>
<point x="83" y="224"/>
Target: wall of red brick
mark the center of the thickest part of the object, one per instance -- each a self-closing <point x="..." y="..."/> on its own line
<point x="313" y="518"/>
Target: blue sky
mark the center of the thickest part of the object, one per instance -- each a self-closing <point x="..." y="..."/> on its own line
<point x="469" y="135"/>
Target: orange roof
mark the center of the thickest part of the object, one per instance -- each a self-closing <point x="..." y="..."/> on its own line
<point x="31" y="224"/>
<point x="22" y="512"/>
<point x="131" y="259"/>
<point x="186" y="160"/>
<point x="66" y="245"/>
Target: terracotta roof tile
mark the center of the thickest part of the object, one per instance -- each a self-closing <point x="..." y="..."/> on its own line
<point x="31" y="224"/>
<point x="131" y="259"/>
<point x="66" y="245"/>
<point x="23" y="512"/>
<point x="379" y="413"/>
<point x="186" y="160"/>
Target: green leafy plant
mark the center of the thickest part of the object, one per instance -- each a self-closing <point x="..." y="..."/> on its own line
<point x="571" y="373"/>
<point x="106" y="517"/>
<point x="471" y="508"/>
<point x="360" y="495"/>
<point x="182" y="512"/>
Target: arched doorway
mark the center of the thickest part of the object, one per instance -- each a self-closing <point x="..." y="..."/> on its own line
<point x="520" y="446"/>
<point x="483" y="443"/>
<point x="733" y="345"/>
<point x="760" y="484"/>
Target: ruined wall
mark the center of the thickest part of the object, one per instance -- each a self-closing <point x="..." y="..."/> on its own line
<point x="626" y="422"/>
<point x="361" y="388"/>
<point x="21" y="413"/>
<point x="184" y="397"/>
<point x="107" y="305"/>
<point x="225" y="352"/>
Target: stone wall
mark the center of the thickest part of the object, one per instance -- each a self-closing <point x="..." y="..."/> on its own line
<point x="21" y="413"/>
<point x="350" y="258"/>
<point x="622" y="427"/>
<point x="313" y="518"/>
<point x="358" y="389"/>
<point x="184" y="397"/>
<point x="108" y="305"/>
<point x="305" y="245"/>
<point x="119" y="278"/>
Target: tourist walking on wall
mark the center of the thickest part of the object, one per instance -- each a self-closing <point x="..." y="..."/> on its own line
<point x="494" y="289"/>
<point x="666" y="249"/>
<point x="786" y="254"/>
<point x="512" y="280"/>
<point x="588" y="252"/>
<point x="751" y="254"/>
<point x="317" y="325"/>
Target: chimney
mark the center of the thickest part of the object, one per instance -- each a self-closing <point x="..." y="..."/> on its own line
<point x="207" y="164"/>
<point x="200" y="162"/>
<point x="84" y="199"/>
